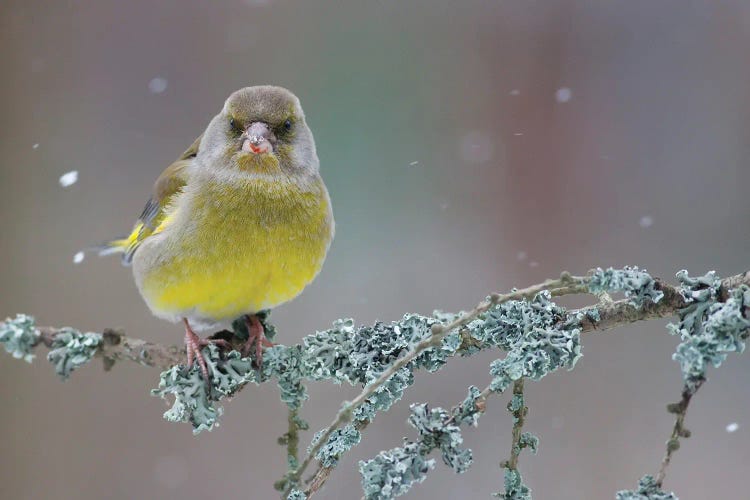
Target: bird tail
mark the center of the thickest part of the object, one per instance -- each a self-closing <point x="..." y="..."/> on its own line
<point x="119" y="245"/>
<point x="124" y="245"/>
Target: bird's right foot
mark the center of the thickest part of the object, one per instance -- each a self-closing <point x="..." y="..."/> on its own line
<point x="194" y="346"/>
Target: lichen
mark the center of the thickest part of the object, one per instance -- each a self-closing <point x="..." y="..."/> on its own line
<point x="546" y="340"/>
<point x="392" y="473"/>
<point x="296" y="495"/>
<point x="507" y="323"/>
<point x="468" y="412"/>
<point x="341" y="441"/>
<point x="647" y="490"/>
<point x="530" y="441"/>
<point x="285" y="365"/>
<point x="709" y="330"/>
<point x="19" y="336"/>
<point x="437" y="430"/>
<point x="192" y="400"/>
<point x="515" y="489"/>
<point x="638" y="286"/>
<point x="71" y="349"/>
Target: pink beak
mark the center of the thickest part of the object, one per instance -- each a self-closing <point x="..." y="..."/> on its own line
<point x="258" y="138"/>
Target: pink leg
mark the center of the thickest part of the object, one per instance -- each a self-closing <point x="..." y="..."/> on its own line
<point x="194" y="344"/>
<point x="256" y="339"/>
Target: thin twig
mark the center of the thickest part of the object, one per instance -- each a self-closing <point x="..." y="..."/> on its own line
<point x="321" y="475"/>
<point x="519" y="417"/>
<point x="290" y="439"/>
<point x="678" y="431"/>
<point x="116" y="346"/>
<point x="564" y="285"/>
<point x="611" y="314"/>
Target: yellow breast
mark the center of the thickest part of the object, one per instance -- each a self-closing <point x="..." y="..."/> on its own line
<point x="241" y="249"/>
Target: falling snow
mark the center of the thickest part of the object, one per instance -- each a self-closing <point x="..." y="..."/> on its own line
<point x="515" y="92"/>
<point x="646" y="221"/>
<point x="35" y="146"/>
<point x="563" y="94"/>
<point x="732" y="427"/>
<point x="78" y="257"/>
<point x="533" y="263"/>
<point x="414" y="163"/>
<point x="521" y="255"/>
<point x="157" y="85"/>
<point x="68" y="179"/>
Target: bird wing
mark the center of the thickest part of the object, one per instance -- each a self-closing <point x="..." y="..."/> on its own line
<point x="166" y="187"/>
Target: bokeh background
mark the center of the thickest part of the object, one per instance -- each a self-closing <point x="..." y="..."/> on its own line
<point x="468" y="147"/>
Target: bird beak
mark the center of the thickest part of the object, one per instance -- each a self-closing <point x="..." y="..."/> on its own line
<point x="258" y="138"/>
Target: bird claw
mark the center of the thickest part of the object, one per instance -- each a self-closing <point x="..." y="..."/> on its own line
<point x="256" y="339"/>
<point x="194" y="346"/>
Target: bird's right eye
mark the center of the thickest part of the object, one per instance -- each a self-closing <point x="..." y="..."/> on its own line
<point x="233" y="124"/>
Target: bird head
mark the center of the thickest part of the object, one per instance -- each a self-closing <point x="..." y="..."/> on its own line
<point x="260" y="129"/>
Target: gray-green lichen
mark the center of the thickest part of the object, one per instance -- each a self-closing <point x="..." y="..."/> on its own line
<point x="437" y="430"/>
<point x="71" y="349"/>
<point x="341" y="441"/>
<point x="468" y="412"/>
<point x="540" y="337"/>
<point x="515" y="489"/>
<point x="530" y="441"/>
<point x="637" y="285"/>
<point x="392" y="473"/>
<point x="647" y="490"/>
<point x="192" y="400"/>
<point x="19" y="336"/>
<point x="296" y="495"/>
<point x="709" y="330"/>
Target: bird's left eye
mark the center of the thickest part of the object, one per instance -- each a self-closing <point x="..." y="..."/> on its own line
<point x="288" y="125"/>
<point x="232" y="123"/>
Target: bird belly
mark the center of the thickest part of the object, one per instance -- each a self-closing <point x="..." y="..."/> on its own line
<point x="239" y="257"/>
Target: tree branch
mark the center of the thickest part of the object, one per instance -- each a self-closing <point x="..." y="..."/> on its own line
<point x="611" y="314"/>
<point x="608" y="314"/>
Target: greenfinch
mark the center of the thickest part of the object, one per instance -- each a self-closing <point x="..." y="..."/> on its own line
<point x="240" y="223"/>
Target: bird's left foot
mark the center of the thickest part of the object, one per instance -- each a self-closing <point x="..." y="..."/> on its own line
<point x="194" y="345"/>
<point x="256" y="339"/>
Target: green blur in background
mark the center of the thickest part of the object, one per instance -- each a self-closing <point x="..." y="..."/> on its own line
<point x="468" y="147"/>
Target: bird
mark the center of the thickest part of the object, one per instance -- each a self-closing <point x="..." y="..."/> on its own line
<point x="240" y="223"/>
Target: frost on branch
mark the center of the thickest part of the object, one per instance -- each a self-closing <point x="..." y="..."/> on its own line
<point x="637" y="285"/>
<point x="19" y="336"/>
<point x="709" y="330"/>
<point x="647" y="490"/>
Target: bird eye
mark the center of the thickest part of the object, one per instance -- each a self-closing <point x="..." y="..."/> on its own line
<point x="232" y="123"/>
<point x="288" y="125"/>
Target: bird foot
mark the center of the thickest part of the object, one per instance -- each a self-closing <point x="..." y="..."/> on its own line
<point x="194" y="345"/>
<point x="256" y="339"/>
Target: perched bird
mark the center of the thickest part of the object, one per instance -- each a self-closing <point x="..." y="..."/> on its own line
<point x="240" y="223"/>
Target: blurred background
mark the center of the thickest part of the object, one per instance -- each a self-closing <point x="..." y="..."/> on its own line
<point x="468" y="148"/>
